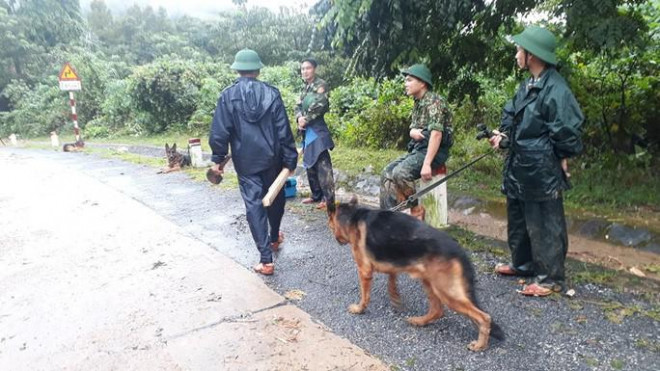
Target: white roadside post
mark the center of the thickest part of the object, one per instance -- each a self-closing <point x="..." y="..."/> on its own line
<point x="435" y="202"/>
<point x="70" y="81"/>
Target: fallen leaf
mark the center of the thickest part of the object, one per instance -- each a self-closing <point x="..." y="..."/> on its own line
<point x="637" y="272"/>
<point x="294" y="294"/>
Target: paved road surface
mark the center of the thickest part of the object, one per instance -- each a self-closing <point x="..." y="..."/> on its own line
<point x="589" y="332"/>
<point x="94" y="279"/>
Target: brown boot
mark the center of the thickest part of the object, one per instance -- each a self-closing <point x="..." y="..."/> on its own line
<point x="418" y="212"/>
<point x="267" y="269"/>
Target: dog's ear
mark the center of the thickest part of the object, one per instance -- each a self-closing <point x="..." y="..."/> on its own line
<point x="167" y="147"/>
<point x="354" y="200"/>
<point x="174" y="147"/>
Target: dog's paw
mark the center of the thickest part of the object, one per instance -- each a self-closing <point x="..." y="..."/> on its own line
<point x="356" y="309"/>
<point x="476" y="347"/>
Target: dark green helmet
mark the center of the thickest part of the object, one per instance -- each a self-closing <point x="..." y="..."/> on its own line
<point x="247" y="60"/>
<point x="421" y="72"/>
<point x="539" y="42"/>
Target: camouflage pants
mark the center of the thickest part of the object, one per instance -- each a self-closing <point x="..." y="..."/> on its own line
<point x="397" y="181"/>
<point x="321" y="179"/>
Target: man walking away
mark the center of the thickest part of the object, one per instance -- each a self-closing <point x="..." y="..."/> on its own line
<point x="251" y="119"/>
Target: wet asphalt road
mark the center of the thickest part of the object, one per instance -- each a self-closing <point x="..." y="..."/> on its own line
<point x="542" y="334"/>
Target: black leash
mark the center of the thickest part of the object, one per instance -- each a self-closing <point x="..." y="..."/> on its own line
<point x="411" y="200"/>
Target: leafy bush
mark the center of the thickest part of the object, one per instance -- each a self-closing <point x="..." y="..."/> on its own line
<point x="96" y="129"/>
<point x="286" y="76"/>
<point x="367" y="113"/>
<point x="117" y="107"/>
<point x="166" y="92"/>
<point x="35" y="111"/>
<point x="200" y="121"/>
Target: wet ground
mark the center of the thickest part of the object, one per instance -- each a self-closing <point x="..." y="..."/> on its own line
<point x="607" y="242"/>
<point x="597" y="330"/>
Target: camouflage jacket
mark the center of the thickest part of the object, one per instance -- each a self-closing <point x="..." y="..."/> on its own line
<point x="313" y="102"/>
<point x="431" y="112"/>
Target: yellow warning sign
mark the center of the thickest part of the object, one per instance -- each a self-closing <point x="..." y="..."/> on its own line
<point x="68" y="73"/>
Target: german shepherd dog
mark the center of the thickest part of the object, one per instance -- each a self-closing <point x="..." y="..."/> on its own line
<point x="392" y="242"/>
<point x="79" y="145"/>
<point x="175" y="160"/>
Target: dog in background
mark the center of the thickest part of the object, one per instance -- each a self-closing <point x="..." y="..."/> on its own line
<point x="79" y="145"/>
<point x="175" y="160"/>
<point x="54" y="139"/>
<point x="392" y="242"/>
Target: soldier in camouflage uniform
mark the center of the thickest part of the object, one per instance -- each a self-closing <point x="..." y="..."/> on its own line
<point x="430" y="133"/>
<point x="317" y="143"/>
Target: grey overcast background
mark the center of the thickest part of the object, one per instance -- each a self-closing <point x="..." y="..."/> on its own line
<point x="197" y="8"/>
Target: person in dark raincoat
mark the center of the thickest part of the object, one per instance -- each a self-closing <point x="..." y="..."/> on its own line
<point x="317" y="142"/>
<point x="251" y="118"/>
<point x="543" y="122"/>
<point x="430" y="140"/>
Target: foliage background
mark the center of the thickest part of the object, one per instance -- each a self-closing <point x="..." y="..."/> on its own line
<point x="146" y="73"/>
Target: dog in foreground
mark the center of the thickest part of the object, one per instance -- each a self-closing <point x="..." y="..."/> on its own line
<point x="175" y="160"/>
<point x="392" y="242"/>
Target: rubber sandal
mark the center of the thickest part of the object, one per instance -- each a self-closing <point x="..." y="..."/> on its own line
<point x="322" y="205"/>
<point x="535" y="289"/>
<point x="275" y="246"/>
<point x="505" y="270"/>
<point x="266" y="269"/>
<point x="309" y="200"/>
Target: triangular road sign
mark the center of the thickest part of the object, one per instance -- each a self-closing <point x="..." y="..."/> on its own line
<point x="68" y="73"/>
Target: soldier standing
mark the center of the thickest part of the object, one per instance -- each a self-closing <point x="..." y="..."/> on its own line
<point x="430" y="139"/>
<point x="544" y="124"/>
<point x="317" y="142"/>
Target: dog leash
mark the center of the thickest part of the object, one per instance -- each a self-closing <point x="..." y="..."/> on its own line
<point x="408" y="203"/>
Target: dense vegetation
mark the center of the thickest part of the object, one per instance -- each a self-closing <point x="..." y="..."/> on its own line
<point x="146" y="73"/>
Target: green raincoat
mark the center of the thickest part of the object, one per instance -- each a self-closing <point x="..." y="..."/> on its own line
<point x="544" y="123"/>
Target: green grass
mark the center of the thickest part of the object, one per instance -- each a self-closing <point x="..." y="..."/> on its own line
<point x="353" y="161"/>
<point x="625" y="193"/>
<point x="617" y="364"/>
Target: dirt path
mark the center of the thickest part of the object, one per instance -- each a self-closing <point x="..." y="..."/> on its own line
<point x="580" y="248"/>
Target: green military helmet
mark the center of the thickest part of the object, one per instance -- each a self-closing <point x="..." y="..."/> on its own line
<point x="538" y="41"/>
<point x="421" y="72"/>
<point x="247" y="60"/>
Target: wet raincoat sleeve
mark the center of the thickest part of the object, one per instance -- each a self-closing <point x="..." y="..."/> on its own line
<point x="285" y="136"/>
<point x="565" y="124"/>
<point x="221" y="129"/>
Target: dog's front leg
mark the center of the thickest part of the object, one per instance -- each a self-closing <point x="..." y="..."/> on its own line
<point x="365" y="273"/>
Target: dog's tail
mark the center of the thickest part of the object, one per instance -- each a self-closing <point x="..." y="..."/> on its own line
<point x="469" y="275"/>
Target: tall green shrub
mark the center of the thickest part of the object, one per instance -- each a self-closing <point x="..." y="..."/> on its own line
<point x="166" y="93"/>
